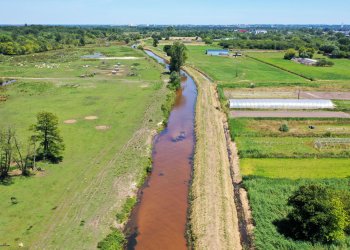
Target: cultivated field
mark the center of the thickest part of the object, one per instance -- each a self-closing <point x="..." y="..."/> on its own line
<point x="106" y="121"/>
<point x="275" y="163"/>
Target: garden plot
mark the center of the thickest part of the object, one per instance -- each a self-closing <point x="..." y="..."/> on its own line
<point x="289" y="114"/>
<point x="282" y="94"/>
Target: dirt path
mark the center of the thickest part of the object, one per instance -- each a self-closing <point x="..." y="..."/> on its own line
<point x="290" y="114"/>
<point x="213" y="216"/>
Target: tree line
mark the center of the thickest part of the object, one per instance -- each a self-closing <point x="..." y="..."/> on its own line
<point x="45" y="144"/>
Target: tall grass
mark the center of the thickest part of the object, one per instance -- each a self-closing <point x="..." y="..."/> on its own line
<point x="268" y="200"/>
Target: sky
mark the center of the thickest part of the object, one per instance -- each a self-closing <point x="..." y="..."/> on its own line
<point x="119" y="12"/>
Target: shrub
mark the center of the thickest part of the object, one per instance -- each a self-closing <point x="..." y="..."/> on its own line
<point x="291" y="53"/>
<point x="324" y="63"/>
<point x="175" y="81"/>
<point x="126" y="209"/>
<point x="317" y="215"/>
<point x="114" y="241"/>
<point x="284" y="128"/>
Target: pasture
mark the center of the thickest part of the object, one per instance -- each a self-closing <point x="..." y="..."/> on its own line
<point x="106" y="121"/>
<point x="226" y="70"/>
<point x="340" y="70"/>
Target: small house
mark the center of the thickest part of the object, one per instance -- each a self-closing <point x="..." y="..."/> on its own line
<point x="217" y="52"/>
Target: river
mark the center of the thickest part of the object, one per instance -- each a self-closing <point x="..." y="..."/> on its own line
<point x="159" y="219"/>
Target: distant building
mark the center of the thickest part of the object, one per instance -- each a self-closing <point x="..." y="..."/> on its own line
<point x="217" y="52"/>
<point x="257" y="32"/>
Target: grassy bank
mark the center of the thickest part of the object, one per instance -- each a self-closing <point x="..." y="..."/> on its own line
<point x="75" y="202"/>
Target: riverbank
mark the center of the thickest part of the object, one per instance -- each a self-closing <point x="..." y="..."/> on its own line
<point x="213" y="215"/>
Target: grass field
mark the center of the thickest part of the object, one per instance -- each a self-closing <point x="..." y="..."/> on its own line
<point x="296" y="168"/>
<point x="242" y="69"/>
<point x="73" y="204"/>
<point x="297" y="127"/>
<point x="261" y="138"/>
<point x="337" y="72"/>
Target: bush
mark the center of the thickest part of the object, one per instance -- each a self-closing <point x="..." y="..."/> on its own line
<point x="167" y="49"/>
<point x="114" y="241"/>
<point x="126" y="209"/>
<point x="175" y="81"/>
<point x="324" y="63"/>
<point x="317" y="215"/>
<point x="291" y="53"/>
<point x="284" y="128"/>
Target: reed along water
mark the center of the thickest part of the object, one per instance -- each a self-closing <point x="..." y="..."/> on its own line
<point x="159" y="219"/>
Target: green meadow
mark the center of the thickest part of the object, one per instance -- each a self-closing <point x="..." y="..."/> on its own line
<point x="105" y="158"/>
<point x="340" y="70"/>
<point x="228" y="70"/>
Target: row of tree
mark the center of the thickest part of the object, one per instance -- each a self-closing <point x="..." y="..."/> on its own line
<point x="45" y="144"/>
<point x="178" y="57"/>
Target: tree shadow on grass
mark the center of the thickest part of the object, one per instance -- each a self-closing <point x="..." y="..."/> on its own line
<point x="6" y="181"/>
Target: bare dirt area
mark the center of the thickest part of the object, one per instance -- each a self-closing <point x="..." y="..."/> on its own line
<point x="102" y="127"/>
<point x="281" y="94"/>
<point x="89" y="118"/>
<point x="70" y="121"/>
<point x="325" y="95"/>
<point x="213" y="215"/>
<point x="289" y="114"/>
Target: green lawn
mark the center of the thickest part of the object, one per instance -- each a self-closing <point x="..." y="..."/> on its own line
<point x="223" y="69"/>
<point x="72" y="205"/>
<point x="296" y="168"/>
<point x="340" y="70"/>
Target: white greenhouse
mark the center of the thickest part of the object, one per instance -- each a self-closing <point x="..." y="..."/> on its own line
<point x="280" y="104"/>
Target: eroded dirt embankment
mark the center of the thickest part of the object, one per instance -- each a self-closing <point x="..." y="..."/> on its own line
<point x="213" y="215"/>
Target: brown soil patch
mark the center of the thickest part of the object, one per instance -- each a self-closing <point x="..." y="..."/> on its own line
<point x="91" y="118"/>
<point x="102" y="127"/>
<point x="70" y="121"/>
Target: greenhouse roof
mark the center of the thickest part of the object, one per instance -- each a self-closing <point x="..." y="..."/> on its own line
<point x="281" y="104"/>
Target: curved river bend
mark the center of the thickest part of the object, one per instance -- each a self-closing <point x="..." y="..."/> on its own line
<point x="159" y="219"/>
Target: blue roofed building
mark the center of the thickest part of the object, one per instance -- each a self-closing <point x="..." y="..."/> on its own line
<point x="217" y="52"/>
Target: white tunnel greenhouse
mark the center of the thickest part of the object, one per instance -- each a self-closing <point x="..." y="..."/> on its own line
<point x="280" y="104"/>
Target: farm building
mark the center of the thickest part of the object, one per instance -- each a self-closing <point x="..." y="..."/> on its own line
<point x="280" y="104"/>
<point x="217" y="52"/>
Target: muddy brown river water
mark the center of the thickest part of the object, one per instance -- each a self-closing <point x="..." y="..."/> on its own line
<point x="159" y="219"/>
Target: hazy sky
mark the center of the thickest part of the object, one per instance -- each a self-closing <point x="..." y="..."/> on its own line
<point x="174" y="12"/>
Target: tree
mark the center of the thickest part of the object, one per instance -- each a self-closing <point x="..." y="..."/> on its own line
<point x="6" y="151"/>
<point x="155" y="42"/>
<point x="317" y="215"/>
<point x="167" y="49"/>
<point x="178" y="56"/>
<point x="290" y="54"/>
<point x="48" y="136"/>
<point x="306" y="52"/>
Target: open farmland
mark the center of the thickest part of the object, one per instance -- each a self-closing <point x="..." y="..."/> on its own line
<point x="338" y="72"/>
<point x="263" y="138"/>
<point x="228" y="70"/>
<point x="275" y="163"/>
<point x="106" y="121"/>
